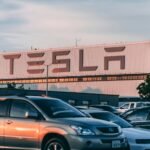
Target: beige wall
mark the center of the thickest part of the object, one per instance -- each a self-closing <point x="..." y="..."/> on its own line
<point x="136" y="60"/>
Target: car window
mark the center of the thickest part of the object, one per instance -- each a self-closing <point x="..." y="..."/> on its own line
<point x="57" y="108"/>
<point x="138" y="115"/>
<point x="3" y="108"/>
<point x="147" y="104"/>
<point x="132" y="105"/>
<point x="125" y="106"/>
<point x="139" y="105"/>
<point x="22" y="109"/>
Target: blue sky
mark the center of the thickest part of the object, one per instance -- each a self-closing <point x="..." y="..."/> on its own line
<point x="58" y="23"/>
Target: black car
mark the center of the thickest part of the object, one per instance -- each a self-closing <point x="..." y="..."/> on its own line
<point x="107" y="108"/>
<point x="139" y="117"/>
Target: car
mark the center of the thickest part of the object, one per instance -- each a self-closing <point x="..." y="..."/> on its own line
<point x="107" y="108"/>
<point x="127" y="112"/>
<point x="139" y="139"/>
<point x="43" y="123"/>
<point x="132" y="105"/>
<point x="139" y="117"/>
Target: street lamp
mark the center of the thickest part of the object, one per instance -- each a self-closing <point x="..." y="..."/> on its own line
<point x="47" y="67"/>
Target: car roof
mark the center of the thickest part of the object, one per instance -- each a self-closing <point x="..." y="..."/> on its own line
<point x="104" y="106"/>
<point x="81" y="107"/>
<point x="34" y="98"/>
<point x="101" y="105"/>
<point x="3" y="98"/>
<point x="94" y="110"/>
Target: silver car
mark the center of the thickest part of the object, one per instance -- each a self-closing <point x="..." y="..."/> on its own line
<point x="138" y="139"/>
<point x="39" y="123"/>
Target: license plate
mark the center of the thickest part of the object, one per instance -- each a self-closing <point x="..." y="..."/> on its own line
<point x="116" y="144"/>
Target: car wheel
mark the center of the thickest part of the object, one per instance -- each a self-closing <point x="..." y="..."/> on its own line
<point x="56" y="144"/>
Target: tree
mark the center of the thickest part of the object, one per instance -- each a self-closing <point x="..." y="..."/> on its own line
<point x="11" y="85"/>
<point x="144" y="88"/>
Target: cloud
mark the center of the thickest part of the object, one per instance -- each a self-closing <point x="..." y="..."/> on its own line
<point x="57" y="23"/>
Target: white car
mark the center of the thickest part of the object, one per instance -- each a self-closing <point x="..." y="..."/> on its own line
<point x="132" y="105"/>
<point x="138" y="139"/>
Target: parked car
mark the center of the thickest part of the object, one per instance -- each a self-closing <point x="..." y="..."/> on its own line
<point x="139" y="117"/>
<point x="132" y="105"/>
<point x="127" y="112"/>
<point x="107" y="108"/>
<point x="41" y="123"/>
<point x="139" y="139"/>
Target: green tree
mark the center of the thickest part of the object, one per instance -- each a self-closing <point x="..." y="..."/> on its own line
<point x="144" y="88"/>
<point x="11" y="85"/>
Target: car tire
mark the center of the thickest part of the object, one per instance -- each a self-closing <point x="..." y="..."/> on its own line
<point x="56" y="144"/>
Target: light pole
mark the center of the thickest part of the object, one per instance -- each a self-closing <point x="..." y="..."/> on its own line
<point x="47" y="67"/>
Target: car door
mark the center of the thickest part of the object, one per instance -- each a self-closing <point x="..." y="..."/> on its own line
<point x="22" y="131"/>
<point x="3" y="113"/>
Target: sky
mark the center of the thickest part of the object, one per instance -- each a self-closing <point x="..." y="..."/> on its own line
<point x="46" y="24"/>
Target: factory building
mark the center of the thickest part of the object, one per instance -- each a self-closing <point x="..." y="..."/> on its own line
<point x="115" y="69"/>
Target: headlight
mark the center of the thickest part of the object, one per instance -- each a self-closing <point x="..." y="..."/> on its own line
<point x="82" y="131"/>
<point x="119" y="129"/>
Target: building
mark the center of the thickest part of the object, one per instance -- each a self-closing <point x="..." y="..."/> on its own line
<point x="102" y="69"/>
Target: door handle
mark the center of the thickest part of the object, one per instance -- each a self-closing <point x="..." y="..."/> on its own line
<point x="9" y="122"/>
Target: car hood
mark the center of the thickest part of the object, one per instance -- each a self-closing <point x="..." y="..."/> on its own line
<point x="83" y="121"/>
<point x="136" y="133"/>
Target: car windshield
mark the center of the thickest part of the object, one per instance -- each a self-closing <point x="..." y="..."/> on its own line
<point x="56" y="108"/>
<point x="112" y="118"/>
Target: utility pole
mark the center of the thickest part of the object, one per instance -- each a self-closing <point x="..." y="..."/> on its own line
<point x="47" y="67"/>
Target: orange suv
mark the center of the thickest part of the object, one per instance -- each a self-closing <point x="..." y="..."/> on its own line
<point x="38" y="123"/>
